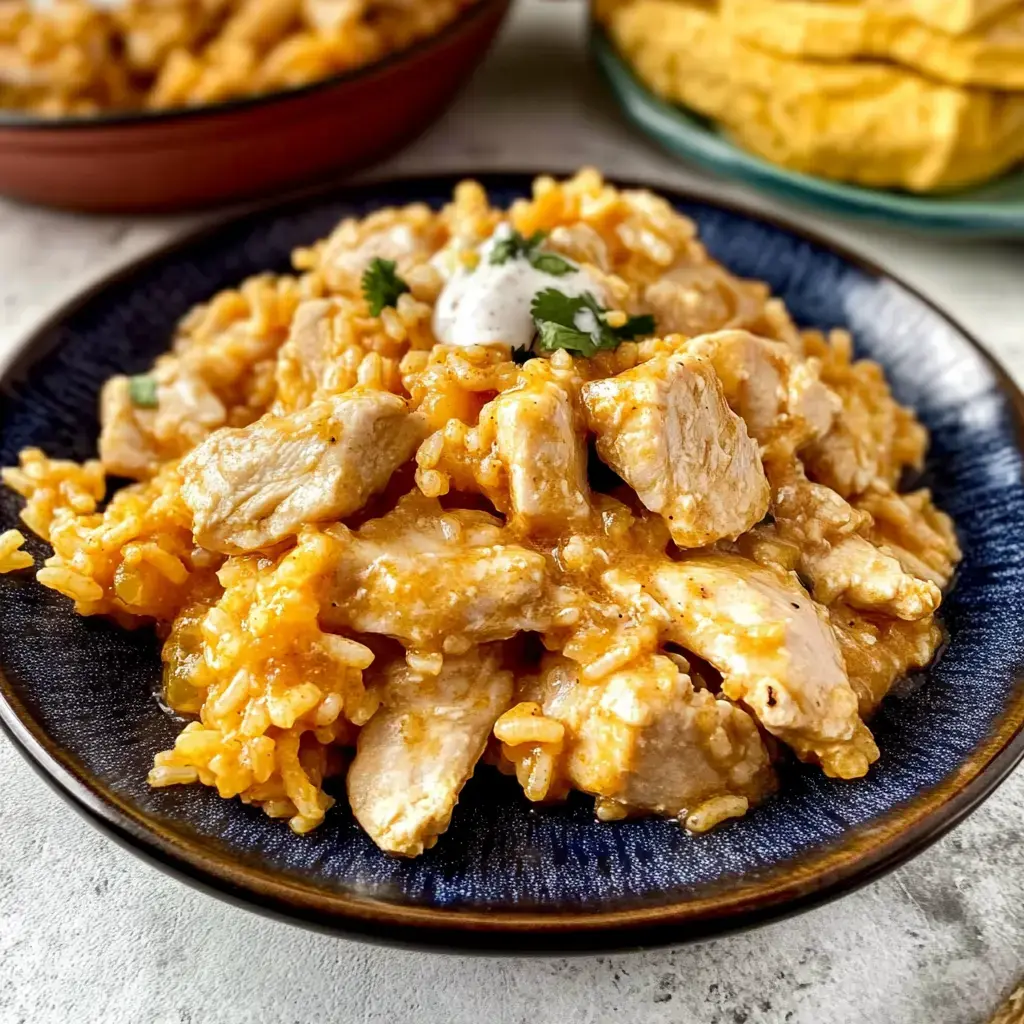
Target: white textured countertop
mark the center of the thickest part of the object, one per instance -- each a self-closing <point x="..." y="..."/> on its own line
<point x="90" y="934"/>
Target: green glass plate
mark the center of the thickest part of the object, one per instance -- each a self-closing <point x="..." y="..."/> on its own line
<point x="995" y="209"/>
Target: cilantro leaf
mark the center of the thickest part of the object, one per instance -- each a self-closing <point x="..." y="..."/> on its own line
<point x="634" y="327"/>
<point x="551" y="263"/>
<point x="142" y="391"/>
<point x="552" y="305"/>
<point x="382" y="285"/>
<point x="552" y="336"/>
<point x="560" y="324"/>
<point x="514" y="245"/>
<point x="522" y="355"/>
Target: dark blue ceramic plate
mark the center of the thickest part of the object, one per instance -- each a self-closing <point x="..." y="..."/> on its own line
<point x="78" y="694"/>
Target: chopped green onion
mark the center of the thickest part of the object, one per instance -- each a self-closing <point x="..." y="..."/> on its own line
<point x="142" y="391"/>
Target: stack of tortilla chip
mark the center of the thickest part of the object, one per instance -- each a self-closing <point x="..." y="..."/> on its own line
<point x="923" y="95"/>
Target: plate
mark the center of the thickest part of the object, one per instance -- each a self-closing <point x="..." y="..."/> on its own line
<point x="995" y="209"/>
<point x="78" y="695"/>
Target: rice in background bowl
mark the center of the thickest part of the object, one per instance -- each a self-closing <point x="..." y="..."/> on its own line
<point x="73" y="57"/>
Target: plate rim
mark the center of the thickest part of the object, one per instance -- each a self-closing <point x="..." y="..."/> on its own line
<point x="713" y="152"/>
<point x="818" y="877"/>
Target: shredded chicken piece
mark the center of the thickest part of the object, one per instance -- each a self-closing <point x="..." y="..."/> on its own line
<point x="666" y="429"/>
<point x="836" y="555"/>
<point x="873" y="437"/>
<point x="781" y="400"/>
<point x="775" y="650"/>
<point x="911" y="528"/>
<point x="252" y="487"/>
<point x="643" y="739"/>
<point x="439" y="580"/>
<point x="136" y="440"/>
<point x="346" y="253"/>
<point x="419" y="749"/>
<point x="878" y="650"/>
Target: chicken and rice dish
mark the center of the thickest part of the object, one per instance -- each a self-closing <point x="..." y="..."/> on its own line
<point x="545" y="487"/>
<point x="80" y="57"/>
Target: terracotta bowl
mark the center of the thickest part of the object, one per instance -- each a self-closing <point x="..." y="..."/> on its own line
<point x="170" y="160"/>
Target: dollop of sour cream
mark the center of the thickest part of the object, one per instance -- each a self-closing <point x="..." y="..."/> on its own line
<point x="490" y="303"/>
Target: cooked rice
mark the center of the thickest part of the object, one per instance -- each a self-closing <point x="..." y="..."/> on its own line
<point x="12" y="558"/>
<point x="54" y="487"/>
<point x="277" y="699"/>
<point x="73" y="58"/>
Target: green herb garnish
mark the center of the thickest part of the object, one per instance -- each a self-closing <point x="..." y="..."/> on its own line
<point x="635" y="327"/>
<point x="382" y="285"/>
<point x="551" y="263"/>
<point x="142" y="391"/>
<point x="560" y="325"/>
<point x="515" y="246"/>
<point x="522" y="355"/>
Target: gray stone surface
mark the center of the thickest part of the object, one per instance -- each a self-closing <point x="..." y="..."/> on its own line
<point x="90" y="934"/>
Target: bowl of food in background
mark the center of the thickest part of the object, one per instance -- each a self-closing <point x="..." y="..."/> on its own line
<point x="911" y="113"/>
<point x="165" y="104"/>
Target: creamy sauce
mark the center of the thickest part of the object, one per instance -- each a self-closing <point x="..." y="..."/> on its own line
<point x="586" y="321"/>
<point x="490" y="305"/>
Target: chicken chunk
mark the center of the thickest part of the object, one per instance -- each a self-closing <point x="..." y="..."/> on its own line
<point x="698" y="297"/>
<point x="253" y="487"/>
<point x="417" y="752"/>
<point x="837" y="557"/>
<point x="325" y="355"/>
<point x="436" y="579"/>
<point x="388" y="235"/>
<point x="866" y="577"/>
<point x="666" y="429"/>
<point x="527" y="454"/>
<point x="544" y="453"/>
<point x="781" y="400"/>
<point x="127" y="446"/>
<point x="644" y="739"/>
<point x="877" y="650"/>
<point x="136" y="439"/>
<point x="776" y="653"/>
<point x="302" y="359"/>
